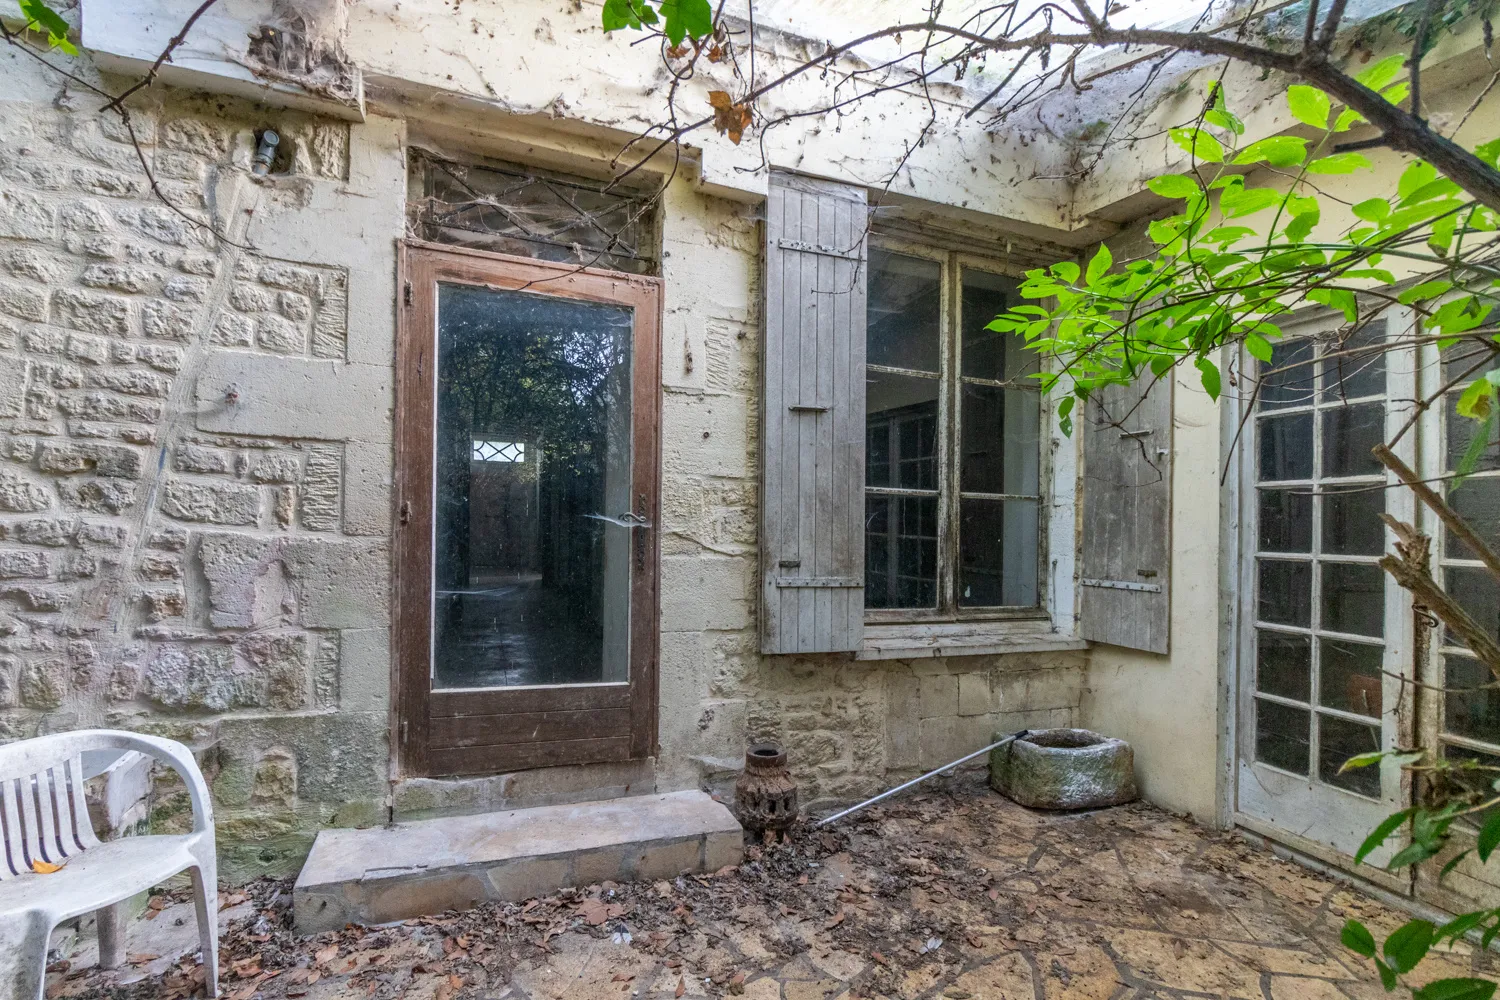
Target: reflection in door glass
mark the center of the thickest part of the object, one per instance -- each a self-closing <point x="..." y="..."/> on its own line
<point x="532" y="460"/>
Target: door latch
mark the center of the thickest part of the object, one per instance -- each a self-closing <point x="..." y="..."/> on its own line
<point x="405" y="511"/>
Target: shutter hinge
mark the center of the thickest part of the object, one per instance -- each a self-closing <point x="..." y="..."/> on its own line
<point x="406" y="293"/>
<point x="405" y="511"/>
<point x="405" y="728"/>
<point x="1148" y="588"/>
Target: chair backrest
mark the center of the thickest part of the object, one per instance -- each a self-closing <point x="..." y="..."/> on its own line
<point x="43" y="813"/>
<point x="44" y="816"/>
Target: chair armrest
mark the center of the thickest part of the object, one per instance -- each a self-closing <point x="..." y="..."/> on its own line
<point x="170" y="752"/>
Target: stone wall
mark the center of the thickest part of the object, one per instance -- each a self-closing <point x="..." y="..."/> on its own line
<point x="195" y="460"/>
<point x="157" y="571"/>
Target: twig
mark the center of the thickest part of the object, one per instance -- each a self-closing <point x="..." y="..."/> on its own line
<point x="117" y="103"/>
<point x="1446" y="514"/>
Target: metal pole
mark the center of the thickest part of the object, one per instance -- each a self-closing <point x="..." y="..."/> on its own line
<point x="917" y="781"/>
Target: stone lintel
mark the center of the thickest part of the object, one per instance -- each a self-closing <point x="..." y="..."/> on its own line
<point x="406" y="870"/>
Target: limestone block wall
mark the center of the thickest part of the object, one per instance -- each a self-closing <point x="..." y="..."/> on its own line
<point x="171" y="561"/>
<point x="195" y="458"/>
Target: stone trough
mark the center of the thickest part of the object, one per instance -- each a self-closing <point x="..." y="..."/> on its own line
<point x="1064" y="769"/>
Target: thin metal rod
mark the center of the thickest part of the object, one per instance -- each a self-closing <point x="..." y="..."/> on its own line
<point x="917" y="781"/>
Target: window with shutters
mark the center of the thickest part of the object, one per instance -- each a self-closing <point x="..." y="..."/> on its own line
<point x="952" y="442"/>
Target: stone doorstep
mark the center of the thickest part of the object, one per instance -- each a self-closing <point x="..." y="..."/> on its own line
<point x="387" y="873"/>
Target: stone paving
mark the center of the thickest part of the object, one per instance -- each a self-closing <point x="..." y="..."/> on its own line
<point x="954" y="894"/>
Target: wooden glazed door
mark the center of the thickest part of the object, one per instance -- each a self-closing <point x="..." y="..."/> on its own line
<point x="526" y="554"/>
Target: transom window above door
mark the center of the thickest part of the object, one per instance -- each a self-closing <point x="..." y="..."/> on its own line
<point x="952" y="441"/>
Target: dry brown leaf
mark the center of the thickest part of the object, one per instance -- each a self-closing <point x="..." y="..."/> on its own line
<point x="328" y="954"/>
<point x="593" y="912"/>
<point x="681" y="986"/>
<point x="730" y="119"/>
<point x="45" y="867"/>
<point x="835" y="920"/>
<point x="140" y="959"/>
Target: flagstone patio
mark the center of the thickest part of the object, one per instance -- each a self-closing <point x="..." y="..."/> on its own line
<point x="956" y="893"/>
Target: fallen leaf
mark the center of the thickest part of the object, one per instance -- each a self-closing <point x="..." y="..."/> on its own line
<point x="681" y="986"/>
<point x="141" y="959"/>
<point x="1179" y="948"/>
<point x="593" y="912"/>
<point x="622" y="977"/>
<point x="835" y="920"/>
<point x="45" y="867"/>
<point x="324" y="955"/>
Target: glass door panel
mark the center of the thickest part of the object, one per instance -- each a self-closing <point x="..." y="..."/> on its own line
<point x="532" y="490"/>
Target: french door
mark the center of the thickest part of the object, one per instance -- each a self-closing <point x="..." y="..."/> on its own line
<point x="1324" y="634"/>
<point x="526" y="547"/>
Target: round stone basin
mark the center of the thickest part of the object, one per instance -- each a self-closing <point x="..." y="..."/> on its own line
<point x="1064" y="769"/>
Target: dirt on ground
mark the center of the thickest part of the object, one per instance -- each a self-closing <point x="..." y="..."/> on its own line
<point x="955" y="893"/>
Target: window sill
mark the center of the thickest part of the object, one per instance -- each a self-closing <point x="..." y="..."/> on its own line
<point x="913" y="642"/>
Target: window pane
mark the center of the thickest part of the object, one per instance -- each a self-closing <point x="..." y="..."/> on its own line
<point x="533" y="441"/>
<point x="1282" y="736"/>
<point x="1286" y="447"/>
<point x="1357" y="368"/>
<point x="987" y="354"/>
<point x="1471" y="708"/>
<point x="903" y="311"/>
<point x="1461" y="357"/>
<point x="1475" y="781"/>
<point x="1351" y="522"/>
<point x="1340" y="739"/>
<point x="1479" y="594"/>
<point x="999" y="445"/>
<point x="1477" y="501"/>
<point x="900" y="551"/>
<point x="1349" y="432"/>
<point x="1283" y="664"/>
<point x="1460" y="433"/>
<point x="1287" y="379"/>
<point x="1285" y="521"/>
<point x="1349" y="676"/>
<point x="1354" y="599"/>
<point x="901" y="431"/>
<point x="1285" y="592"/>
<point x="997" y="553"/>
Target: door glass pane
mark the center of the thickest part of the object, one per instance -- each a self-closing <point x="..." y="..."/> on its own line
<point x="1460" y="432"/>
<point x="1349" y="676"/>
<point x="1349" y="432"/>
<point x="1283" y="664"/>
<point x="1477" y="501"/>
<point x="531" y="584"/>
<point x="1351" y="521"/>
<point x="1001" y="357"/>
<point x="1000" y="453"/>
<point x="901" y="431"/>
<point x="1287" y="379"/>
<point x="1479" y="594"/>
<point x="900" y="551"/>
<point x="1286" y="448"/>
<point x="904" y="309"/>
<point x="997" y="553"/>
<point x="1354" y="599"/>
<point x="1340" y="739"/>
<point x="1286" y="520"/>
<point x="1357" y="368"/>
<point x="1285" y="592"/>
<point x="1473" y="703"/>
<point x="1475" y="777"/>
<point x="1281" y="736"/>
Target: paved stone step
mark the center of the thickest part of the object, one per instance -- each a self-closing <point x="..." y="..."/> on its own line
<point x="409" y="869"/>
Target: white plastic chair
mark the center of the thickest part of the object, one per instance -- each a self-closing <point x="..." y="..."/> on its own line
<point x="44" y="817"/>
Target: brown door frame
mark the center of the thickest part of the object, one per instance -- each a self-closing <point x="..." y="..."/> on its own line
<point x="492" y="730"/>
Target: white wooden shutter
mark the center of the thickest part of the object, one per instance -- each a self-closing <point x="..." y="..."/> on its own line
<point x="1127" y="516"/>
<point x="813" y="423"/>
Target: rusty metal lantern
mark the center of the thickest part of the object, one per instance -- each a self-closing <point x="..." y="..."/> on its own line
<point x="766" y="794"/>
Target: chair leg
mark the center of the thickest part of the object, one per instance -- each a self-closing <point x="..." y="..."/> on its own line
<point x="206" y="900"/>
<point x="109" y="923"/>
<point x="23" y="954"/>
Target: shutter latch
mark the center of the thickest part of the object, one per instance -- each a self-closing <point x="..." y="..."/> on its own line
<point x="801" y="408"/>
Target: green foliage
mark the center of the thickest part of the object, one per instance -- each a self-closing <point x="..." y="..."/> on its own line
<point x="1228" y="268"/>
<point x="43" y="19"/>
<point x="679" y="19"/>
